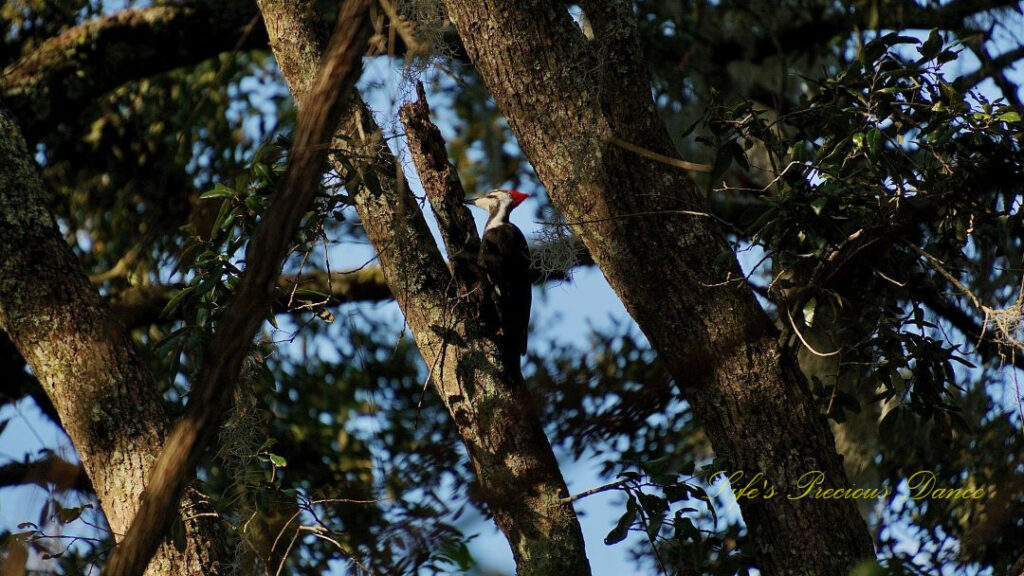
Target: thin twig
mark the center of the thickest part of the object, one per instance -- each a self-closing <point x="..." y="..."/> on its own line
<point x="287" y="551"/>
<point x="691" y="166"/>
<point x="694" y="213"/>
<point x="805" y="343"/>
<point x="317" y="532"/>
<point x="764" y="188"/>
<point x="612" y="486"/>
<point x="941" y="269"/>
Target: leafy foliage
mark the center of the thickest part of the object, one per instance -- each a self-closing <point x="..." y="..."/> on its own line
<point x="893" y="197"/>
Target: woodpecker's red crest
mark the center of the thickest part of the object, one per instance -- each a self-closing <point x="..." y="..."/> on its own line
<point x="517" y="196"/>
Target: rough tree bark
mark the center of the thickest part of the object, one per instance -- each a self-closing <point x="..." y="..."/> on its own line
<point x="518" y="474"/>
<point x="567" y="99"/>
<point x="102" y="390"/>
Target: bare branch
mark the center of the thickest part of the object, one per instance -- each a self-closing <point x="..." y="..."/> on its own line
<point x="441" y="182"/>
<point x="51" y="470"/>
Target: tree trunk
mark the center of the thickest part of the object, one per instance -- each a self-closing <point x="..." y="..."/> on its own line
<point x="103" y="392"/>
<point x="567" y="100"/>
<point x="483" y="390"/>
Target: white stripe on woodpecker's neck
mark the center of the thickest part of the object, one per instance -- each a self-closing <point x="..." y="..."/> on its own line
<point x="500" y="213"/>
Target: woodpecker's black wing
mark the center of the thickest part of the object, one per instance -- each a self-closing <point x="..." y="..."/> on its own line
<point x="505" y="257"/>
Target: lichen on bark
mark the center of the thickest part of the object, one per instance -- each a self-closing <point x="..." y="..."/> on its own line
<point x="101" y="389"/>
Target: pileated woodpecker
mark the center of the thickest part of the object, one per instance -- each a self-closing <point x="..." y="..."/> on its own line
<point x="505" y="258"/>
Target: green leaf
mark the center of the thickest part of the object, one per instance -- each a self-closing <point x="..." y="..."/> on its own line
<point x="228" y="221"/>
<point x="66" y="515"/>
<point x="665" y="479"/>
<point x="1012" y="116"/>
<point x="170" y="340"/>
<point x="654" y="526"/>
<point x="685" y="530"/>
<point x="226" y="212"/>
<point x="818" y="203"/>
<point x="262" y="173"/>
<point x="689" y="130"/>
<point x="658" y="465"/>
<point x="734" y="148"/>
<point x="219" y="191"/>
<point x="963" y="361"/>
<point x="723" y="160"/>
<point x="278" y="461"/>
<point x="621" y="529"/>
<point x="457" y="552"/>
<point x="947" y="56"/>
<point x="931" y="47"/>
<point x="178" y="534"/>
<point x="175" y="300"/>
<point x="872" y="51"/>
<point x="809" y="311"/>
<point x="894" y="38"/>
<point x="677" y="492"/>
<point x="653" y="505"/>
<point x="876" y="142"/>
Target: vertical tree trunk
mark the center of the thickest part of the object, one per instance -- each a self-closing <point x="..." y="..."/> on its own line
<point x="103" y="392"/>
<point x="567" y="100"/>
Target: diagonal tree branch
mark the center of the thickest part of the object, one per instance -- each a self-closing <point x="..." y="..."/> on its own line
<point x="974" y="332"/>
<point x="807" y="33"/>
<point x="213" y="390"/>
<point x="51" y="470"/>
<point x="66" y="72"/>
<point x="458" y="230"/>
<point x="996" y="68"/>
<point x="18" y="383"/>
<point x="493" y="412"/>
